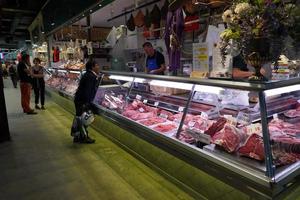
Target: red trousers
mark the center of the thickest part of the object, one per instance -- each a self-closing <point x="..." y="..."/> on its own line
<point x="25" y="96"/>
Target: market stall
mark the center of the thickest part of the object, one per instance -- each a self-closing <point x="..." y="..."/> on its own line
<point x="239" y="125"/>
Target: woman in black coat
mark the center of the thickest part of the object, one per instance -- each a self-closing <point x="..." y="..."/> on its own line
<point x="84" y="97"/>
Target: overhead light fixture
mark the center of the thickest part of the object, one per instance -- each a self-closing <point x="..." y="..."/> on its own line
<point x="170" y="84"/>
<point x="208" y="89"/>
<point x="82" y="15"/>
<point x="282" y="90"/>
<point x="52" y="24"/>
<point x="121" y="78"/>
<point x="100" y="5"/>
<point x="91" y="10"/>
<point x="43" y="32"/>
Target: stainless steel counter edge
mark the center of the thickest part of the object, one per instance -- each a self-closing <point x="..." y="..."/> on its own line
<point x="243" y="170"/>
<point x="242" y="85"/>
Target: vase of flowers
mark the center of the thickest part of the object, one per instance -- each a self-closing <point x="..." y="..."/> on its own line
<point x="257" y="28"/>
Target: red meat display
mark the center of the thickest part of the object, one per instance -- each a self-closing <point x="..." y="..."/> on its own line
<point x="185" y="137"/>
<point x="293" y="113"/>
<point x="229" y="138"/>
<point x="164" y="128"/>
<point x="153" y="121"/>
<point x="253" y="147"/>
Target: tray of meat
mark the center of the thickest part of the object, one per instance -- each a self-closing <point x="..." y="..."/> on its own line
<point x="293" y="113"/>
<point x="186" y="137"/>
<point x="253" y="148"/>
<point x="152" y="121"/>
<point x="166" y="128"/>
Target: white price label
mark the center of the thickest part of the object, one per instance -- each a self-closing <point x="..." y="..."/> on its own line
<point x="243" y="118"/>
<point x="204" y="115"/>
<point x="275" y="116"/>
<point x="138" y="97"/>
<point x="181" y="109"/>
<point x="254" y="129"/>
<point x="145" y="101"/>
<point x="163" y="116"/>
<point x="156" y="103"/>
<point x="141" y="110"/>
<point x="230" y="120"/>
<point x="191" y="123"/>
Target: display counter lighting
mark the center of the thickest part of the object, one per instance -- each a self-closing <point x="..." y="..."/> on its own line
<point x="121" y="78"/>
<point x="170" y="84"/>
<point x="61" y="70"/>
<point x="139" y="80"/>
<point x="208" y="89"/>
<point x="75" y="72"/>
<point x="282" y="90"/>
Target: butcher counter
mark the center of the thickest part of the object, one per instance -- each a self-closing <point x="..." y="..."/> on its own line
<point x="217" y="139"/>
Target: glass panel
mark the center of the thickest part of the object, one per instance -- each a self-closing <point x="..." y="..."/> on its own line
<point x="112" y="93"/>
<point x="225" y="122"/>
<point x="157" y="105"/>
<point x="283" y="108"/>
<point x="63" y="80"/>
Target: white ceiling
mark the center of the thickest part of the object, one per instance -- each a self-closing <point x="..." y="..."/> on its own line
<point x="100" y="17"/>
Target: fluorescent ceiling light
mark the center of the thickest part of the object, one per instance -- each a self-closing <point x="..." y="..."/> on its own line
<point x="121" y="78"/>
<point x="170" y="84"/>
<point x="208" y="89"/>
<point x="282" y="90"/>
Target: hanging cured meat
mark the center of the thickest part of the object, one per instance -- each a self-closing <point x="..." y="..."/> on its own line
<point x="173" y="36"/>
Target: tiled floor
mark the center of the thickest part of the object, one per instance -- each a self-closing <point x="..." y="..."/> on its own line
<point x="41" y="162"/>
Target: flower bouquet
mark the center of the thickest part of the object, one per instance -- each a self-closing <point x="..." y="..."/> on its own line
<point x="257" y="28"/>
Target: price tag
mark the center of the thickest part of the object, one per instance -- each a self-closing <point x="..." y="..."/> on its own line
<point x="204" y="115"/>
<point x="141" y="109"/>
<point x="180" y="109"/>
<point x="156" y="103"/>
<point x="275" y="116"/>
<point x="145" y="101"/>
<point x="138" y="97"/>
<point x="201" y="137"/>
<point x="243" y="118"/>
<point x="230" y="120"/>
<point x="163" y="116"/>
<point x="254" y="129"/>
<point x="191" y="123"/>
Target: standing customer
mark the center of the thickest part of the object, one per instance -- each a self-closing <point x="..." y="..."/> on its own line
<point x="84" y="97"/>
<point x="13" y="74"/>
<point x="38" y="83"/>
<point x="25" y="84"/>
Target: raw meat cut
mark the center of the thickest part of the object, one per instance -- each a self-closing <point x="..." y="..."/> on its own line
<point x="229" y="138"/>
<point x="287" y="144"/>
<point x="140" y="116"/>
<point x="293" y="113"/>
<point x="216" y="126"/>
<point x="283" y="158"/>
<point x="152" y="121"/>
<point x="164" y="128"/>
<point x="185" y="137"/>
<point x="130" y="113"/>
<point x="169" y="115"/>
<point x="253" y="147"/>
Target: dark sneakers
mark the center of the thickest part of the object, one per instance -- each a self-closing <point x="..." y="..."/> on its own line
<point x="37" y="107"/>
<point x="86" y="140"/>
<point x="31" y="112"/>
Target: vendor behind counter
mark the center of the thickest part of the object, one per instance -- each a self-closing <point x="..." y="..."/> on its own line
<point x="155" y="61"/>
<point x="241" y="70"/>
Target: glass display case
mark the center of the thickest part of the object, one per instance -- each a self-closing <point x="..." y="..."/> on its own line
<point x="62" y="80"/>
<point x="251" y="129"/>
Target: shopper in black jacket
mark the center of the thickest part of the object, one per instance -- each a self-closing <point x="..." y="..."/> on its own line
<point x="85" y="95"/>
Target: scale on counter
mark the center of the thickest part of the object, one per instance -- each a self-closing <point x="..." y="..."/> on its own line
<point x="132" y="66"/>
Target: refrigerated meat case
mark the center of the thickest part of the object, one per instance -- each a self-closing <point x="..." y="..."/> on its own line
<point x="245" y="134"/>
<point x="212" y="122"/>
